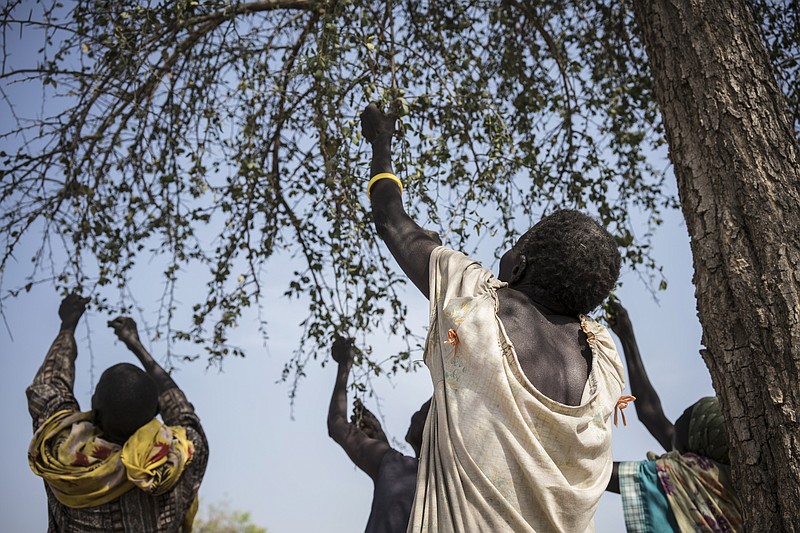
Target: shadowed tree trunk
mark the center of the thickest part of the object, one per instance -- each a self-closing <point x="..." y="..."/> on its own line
<point x="736" y="162"/>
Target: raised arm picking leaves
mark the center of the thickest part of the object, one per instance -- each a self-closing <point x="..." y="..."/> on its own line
<point x="518" y="436"/>
<point x="394" y="474"/>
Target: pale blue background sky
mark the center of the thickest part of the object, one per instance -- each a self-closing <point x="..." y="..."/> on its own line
<point x="287" y="472"/>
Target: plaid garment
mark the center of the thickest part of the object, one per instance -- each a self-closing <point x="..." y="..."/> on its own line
<point x="644" y="503"/>
<point x="135" y="511"/>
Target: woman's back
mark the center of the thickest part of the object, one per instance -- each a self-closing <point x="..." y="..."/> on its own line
<point x="551" y="349"/>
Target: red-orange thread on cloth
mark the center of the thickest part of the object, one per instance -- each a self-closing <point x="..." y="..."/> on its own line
<point x="452" y="338"/>
<point x="622" y="403"/>
<point x="589" y="334"/>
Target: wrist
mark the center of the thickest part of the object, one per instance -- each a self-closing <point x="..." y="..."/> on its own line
<point x="382" y="139"/>
<point x="382" y="150"/>
<point x="142" y="355"/>
<point x="132" y="343"/>
<point x="69" y="325"/>
<point x="381" y="176"/>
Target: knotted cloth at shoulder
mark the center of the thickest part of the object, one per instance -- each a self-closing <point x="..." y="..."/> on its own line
<point x="155" y="456"/>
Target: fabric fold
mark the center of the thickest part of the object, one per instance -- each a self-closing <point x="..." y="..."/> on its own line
<point x="84" y="470"/>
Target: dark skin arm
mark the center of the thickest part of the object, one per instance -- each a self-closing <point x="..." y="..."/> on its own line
<point x="409" y="243"/>
<point x="125" y="329"/>
<point x="613" y="483"/>
<point x="367" y="453"/>
<point x="648" y="404"/>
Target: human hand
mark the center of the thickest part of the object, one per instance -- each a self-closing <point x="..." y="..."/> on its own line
<point x="377" y="125"/>
<point x="618" y="319"/>
<point x="125" y="329"/>
<point x="71" y="310"/>
<point x="367" y="422"/>
<point x="342" y="350"/>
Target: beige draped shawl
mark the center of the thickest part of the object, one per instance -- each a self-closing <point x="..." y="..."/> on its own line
<point x="498" y="455"/>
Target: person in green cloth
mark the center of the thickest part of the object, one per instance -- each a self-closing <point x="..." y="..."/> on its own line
<point x="688" y="489"/>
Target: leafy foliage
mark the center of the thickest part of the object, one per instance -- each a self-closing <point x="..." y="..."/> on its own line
<point x="780" y="30"/>
<point x="214" y="135"/>
<point x="219" y="518"/>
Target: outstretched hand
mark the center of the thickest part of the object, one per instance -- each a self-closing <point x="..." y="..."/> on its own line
<point x="125" y="329"/>
<point x="377" y="125"/>
<point x="71" y="310"/>
<point x="618" y="319"/>
<point x="367" y="422"/>
<point x="343" y="350"/>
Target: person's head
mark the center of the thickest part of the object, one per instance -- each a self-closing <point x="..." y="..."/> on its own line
<point x="124" y="400"/>
<point x="701" y="430"/>
<point x="567" y="261"/>
<point x="417" y="426"/>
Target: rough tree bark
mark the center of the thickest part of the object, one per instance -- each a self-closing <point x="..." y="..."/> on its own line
<point x="736" y="162"/>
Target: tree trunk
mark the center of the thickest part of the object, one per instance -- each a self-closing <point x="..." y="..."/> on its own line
<point x="735" y="157"/>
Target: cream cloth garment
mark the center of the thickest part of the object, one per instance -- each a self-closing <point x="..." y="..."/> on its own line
<point x="498" y="455"/>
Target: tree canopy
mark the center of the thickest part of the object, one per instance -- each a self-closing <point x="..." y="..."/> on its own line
<point x="217" y="135"/>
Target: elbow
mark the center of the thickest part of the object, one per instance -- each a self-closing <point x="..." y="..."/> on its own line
<point x="648" y="415"/>
<point x="338" y="429"/>
<point x="333" y="428"/>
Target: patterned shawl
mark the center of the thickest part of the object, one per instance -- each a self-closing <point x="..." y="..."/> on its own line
<point x="700" y="493"/>
<point x="84" y="470"/>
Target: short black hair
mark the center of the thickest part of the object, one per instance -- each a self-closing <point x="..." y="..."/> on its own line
<point x="571" y="259"/>
<point x="125" y="399"/>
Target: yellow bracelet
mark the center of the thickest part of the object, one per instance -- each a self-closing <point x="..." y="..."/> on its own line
<point x="384" y="175"/>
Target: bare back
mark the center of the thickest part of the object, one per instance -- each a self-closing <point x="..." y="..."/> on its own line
<point x="551" y="349"/>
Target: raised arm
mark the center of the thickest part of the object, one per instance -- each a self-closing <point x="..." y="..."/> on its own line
<point x="174" y="408"/>
<point x="648" y="404"/>
<point x="125" y="329"/>
<point x="367" y="453"/>
<point x="410" y="244"/>
<point x="51" y="389"/>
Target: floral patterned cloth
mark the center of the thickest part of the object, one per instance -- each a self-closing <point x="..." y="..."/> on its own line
<point x="84" y="470"/>
<point x="700" y="493"/>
